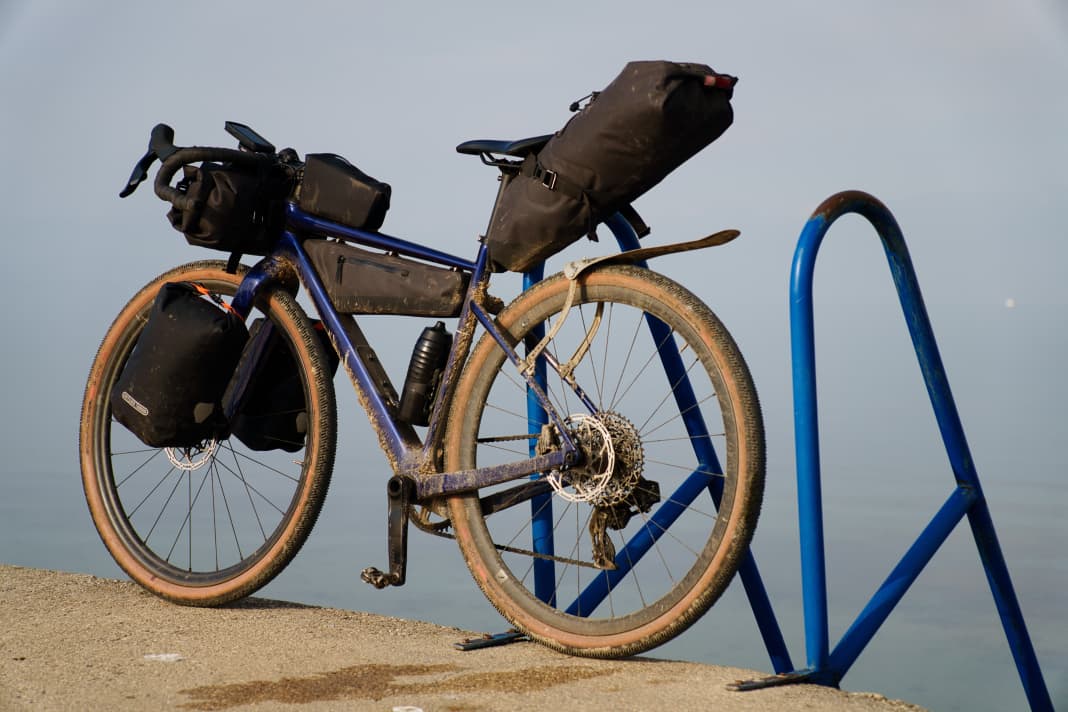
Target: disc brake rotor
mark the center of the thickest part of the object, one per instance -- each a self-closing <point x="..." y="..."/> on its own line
<point x="188" y="459"/>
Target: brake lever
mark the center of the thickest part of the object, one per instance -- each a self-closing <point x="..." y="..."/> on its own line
<point x="161" y="146"/>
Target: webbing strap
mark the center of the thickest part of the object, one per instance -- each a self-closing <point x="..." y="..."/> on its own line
<point x="551" y="180"/>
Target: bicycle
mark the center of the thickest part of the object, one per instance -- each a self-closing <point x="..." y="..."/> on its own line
<point x="574" y="451"/>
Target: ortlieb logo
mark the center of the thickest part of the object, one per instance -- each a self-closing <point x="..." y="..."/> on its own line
<point x="132" y="402"/>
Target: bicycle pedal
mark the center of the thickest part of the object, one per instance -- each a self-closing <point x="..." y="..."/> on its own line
<point x="377" y="578"/>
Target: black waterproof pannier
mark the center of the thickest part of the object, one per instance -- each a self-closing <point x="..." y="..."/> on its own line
<point x="363" y="282"/>
<point x="333" y="188"/>
<point x="235" y="208"/>
<point x="274" y="415"/>
<point x="647" y="122"/>
<point x="170" y="389"/>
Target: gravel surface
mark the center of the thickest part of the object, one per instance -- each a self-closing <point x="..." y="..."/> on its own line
<point x="77" y="642"/>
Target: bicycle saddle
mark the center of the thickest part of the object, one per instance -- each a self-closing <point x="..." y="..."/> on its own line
<point x="519" y="148"/>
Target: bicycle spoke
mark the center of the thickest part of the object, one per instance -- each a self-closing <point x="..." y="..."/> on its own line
<point x="623" y="370"/>
<point x="269" y="468"/>
<point x="590" y="361"/>
<point x="669" y="394"/>
<point x="164" y="508"/>
<point x="214" y="526"/>
<point x="707" y="473"/>
<point x="682" y="414"/>
<point x="642" y="369"/>
<point x="683" y="438"/>
<point x="186" y="521"/>
<point x="230" y="518"/>
<point x="155" y="454"/>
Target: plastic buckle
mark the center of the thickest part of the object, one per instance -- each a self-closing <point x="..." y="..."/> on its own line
<point x="548" y="179"/>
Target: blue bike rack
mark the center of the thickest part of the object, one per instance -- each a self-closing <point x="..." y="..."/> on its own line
<point x="827" y="666"/>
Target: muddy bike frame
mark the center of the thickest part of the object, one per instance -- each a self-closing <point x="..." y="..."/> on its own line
<point x="408" y="455"/>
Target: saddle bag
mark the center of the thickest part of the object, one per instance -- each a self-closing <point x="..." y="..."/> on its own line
<point x="170" y="390"/>
<point x="235" y="209"/>
<point x="363" y="282"/>
<point x="334" y="189"/>
<point x="651" y="119"/>
<point x="274" y="415"/>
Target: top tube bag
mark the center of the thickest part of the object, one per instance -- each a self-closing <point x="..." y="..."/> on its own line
<point x="652" y="118"/>
<point x="333" y="188"/>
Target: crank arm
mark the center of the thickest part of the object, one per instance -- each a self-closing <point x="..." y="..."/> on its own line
<point x="400" y="490"/>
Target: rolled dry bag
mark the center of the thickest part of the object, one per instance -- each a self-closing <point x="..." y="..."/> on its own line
<point x="170" y="389"/>
<point x="647" y="122"/>
<point x="235" y="208"/>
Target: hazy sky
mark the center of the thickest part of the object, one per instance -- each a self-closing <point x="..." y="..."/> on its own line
<point x="953" y="113"/>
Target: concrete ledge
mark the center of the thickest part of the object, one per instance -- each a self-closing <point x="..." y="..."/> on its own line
<point x="71" y="641"/>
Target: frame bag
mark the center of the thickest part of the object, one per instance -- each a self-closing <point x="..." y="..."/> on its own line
<point x="274" y="415"/>
<point x="170" y="390"/>
<point x="651" y="119"/>
<point x="363" y="282"/>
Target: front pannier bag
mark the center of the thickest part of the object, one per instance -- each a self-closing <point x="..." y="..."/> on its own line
<point x="170" y="389"/>
<point x="647" y="122"/>
<point x="274" y="415"/>
<point x="363" y="282"/>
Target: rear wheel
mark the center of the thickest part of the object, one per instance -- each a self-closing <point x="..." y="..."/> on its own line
<point x="626" y="551"/>
<point x="213" y="523"/>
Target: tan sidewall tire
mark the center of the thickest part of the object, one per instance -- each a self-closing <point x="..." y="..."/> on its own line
<point x="745" y="459"/>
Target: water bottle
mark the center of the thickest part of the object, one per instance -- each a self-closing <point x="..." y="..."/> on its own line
<point x="424" y="374"/>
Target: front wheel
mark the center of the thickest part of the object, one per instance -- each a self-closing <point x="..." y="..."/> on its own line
<point x="621" y="554"/>
<point x="213" y="523"/>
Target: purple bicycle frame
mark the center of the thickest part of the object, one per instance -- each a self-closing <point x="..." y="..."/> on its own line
<point x="406" y="452"/>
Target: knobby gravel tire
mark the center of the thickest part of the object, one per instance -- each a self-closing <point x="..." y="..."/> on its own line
<point x="697" y="548"/>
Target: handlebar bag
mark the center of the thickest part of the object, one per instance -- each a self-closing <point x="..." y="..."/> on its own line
<point x="170" y="390"/>
<point x="234" y="209"/>
<point x="333" y="188"/>
<point x="274" y="415"/>
<point x="652" y="118"/>
<point x="363" y="282"/>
